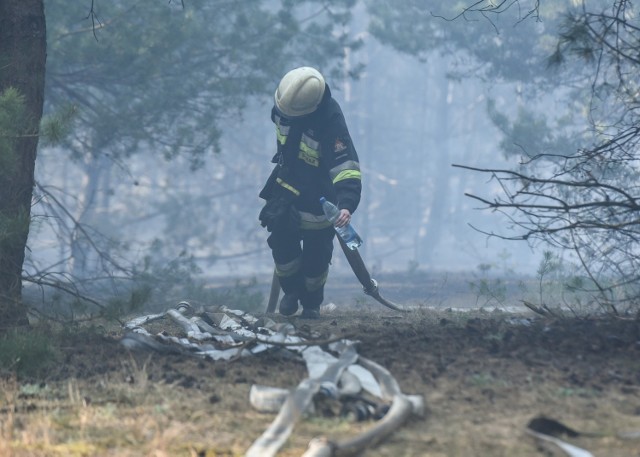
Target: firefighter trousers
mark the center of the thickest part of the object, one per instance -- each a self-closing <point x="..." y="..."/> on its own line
<point x="302" y="259"/>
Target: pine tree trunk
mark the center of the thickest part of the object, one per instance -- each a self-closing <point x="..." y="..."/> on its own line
<point x="22" y="66"/>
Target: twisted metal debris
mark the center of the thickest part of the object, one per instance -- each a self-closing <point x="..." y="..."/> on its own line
<point x="230" y="334"/>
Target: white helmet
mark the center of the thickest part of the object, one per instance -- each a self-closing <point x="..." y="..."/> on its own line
<point x="300" y="92"/>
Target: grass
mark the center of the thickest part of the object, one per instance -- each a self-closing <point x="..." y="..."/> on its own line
<point x="26" y="352"/>
<point x="480" y="389"/>
<point x="487" y="380"/>
<point x="129" y="419"/>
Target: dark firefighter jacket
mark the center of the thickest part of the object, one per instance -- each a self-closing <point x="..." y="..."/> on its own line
<point x="315" y="158"/>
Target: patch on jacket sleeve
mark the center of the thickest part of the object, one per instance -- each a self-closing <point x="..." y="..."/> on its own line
<point x="340" y="145"/>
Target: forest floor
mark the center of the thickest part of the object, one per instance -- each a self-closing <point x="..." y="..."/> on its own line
<point x="483" y="375"/>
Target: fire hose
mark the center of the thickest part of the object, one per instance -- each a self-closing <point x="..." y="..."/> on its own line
<point x="358" y="267"/>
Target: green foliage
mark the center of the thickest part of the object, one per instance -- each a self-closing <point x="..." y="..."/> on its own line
<point x="550" y="265"/>
<point x="572" y="118"/>
<point x="487" y="288"/>
<point x="163" y="80"/>
<point x="136" y="297"/>
<point x="241" y="296"/>
<point x="576" y="39"/>
<point x="494" y="42"/>
<point x="548" y="275"/>
<point x="529" y="133"/>
<point x="487" y="380"/>
<point x="491" y="287"/>
<point x="161" y="284"/>
<point x="26" y="352"/>
<point x="402" y="28"/>
<point x="56" y="127"/>
<point x="154" y="286"/>
<point x="162" y="77"/>
<point x="502" y="44"/>
<point x="559" y="288"/>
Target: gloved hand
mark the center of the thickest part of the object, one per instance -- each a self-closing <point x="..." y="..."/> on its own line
<point x="279" y="213"/>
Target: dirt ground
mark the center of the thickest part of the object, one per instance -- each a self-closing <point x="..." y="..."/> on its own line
<point x="483" y="375"/>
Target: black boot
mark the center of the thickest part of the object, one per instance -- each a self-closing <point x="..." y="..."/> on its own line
<point x="311" y="301"/>
<point x="310" y="313"/>
<point x="288" y="304"/>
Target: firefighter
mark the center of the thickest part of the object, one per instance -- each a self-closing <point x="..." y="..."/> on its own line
<point x="315" y="158"/>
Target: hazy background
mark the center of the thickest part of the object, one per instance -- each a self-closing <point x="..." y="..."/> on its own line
<point x="135" y="206"/>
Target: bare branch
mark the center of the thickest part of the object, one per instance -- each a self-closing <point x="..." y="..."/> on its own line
<point x="485" y="8"/>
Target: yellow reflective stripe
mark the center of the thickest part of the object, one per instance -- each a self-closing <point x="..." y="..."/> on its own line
<point x="347" y="174"/>
<point x="348" y="165"/>
<point x="309" y="155"/>
<point x="310" y="142"/>
<point x="288" y="186"/>
<point x="282" y="138"/>
<point x="309" y="150"/>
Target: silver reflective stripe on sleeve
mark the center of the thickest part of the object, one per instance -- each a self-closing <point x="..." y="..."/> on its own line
<point x="348" y="165"/>
<point x="316" y="282"/>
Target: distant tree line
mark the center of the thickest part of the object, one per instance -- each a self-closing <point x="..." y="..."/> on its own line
<point x="160" y="81"/>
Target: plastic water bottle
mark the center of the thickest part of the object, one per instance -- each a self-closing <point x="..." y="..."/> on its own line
<point x="347" y="233"/>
